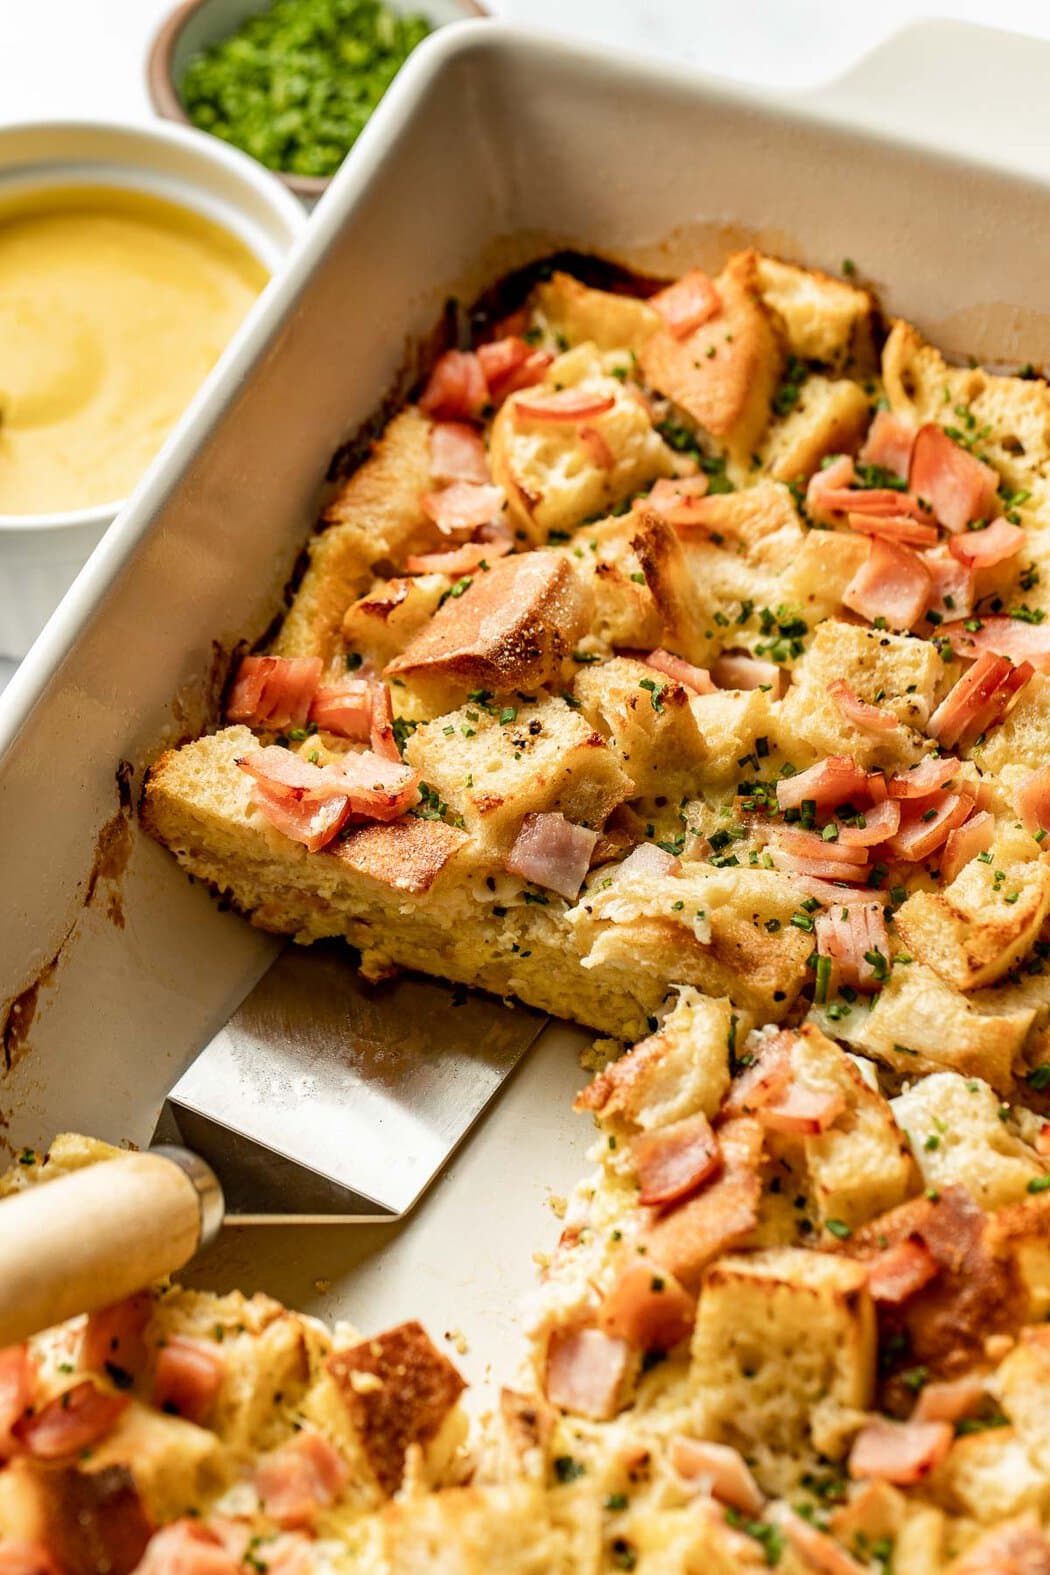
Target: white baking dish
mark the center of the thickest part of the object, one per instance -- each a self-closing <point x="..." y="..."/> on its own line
<point x="492" y="147"/>
<point x="41" y="555"/>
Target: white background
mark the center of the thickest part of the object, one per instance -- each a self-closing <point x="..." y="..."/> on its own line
<point x="85" y="57"/>
<point x="69" y="58"/>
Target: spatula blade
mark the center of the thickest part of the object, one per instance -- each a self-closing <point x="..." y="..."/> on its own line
<point x="327" y="1098"/>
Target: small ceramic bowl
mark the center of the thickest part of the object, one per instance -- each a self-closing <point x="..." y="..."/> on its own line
<point x="196" y="24"/>
<point x="41" y="554"/>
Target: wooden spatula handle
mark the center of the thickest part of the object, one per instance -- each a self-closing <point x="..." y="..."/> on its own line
<point x="97" y="1235"/>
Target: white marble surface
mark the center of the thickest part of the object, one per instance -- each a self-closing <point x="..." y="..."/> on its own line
<point x="86" y="57"/>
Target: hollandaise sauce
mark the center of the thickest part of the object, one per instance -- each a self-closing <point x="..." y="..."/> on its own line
<point x="114" y="305"/>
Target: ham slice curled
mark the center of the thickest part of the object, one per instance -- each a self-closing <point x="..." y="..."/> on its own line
<point x="188" y="1377"/>
<point x="675" y="1160"/>
<point x="274" y="691"/>
<point x="303" y="1476"/>
<point x="959" y="487"/>
<point x="586" y="1370"/>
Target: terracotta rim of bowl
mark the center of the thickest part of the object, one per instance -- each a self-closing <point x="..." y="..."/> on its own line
<point x="167" y="103"/>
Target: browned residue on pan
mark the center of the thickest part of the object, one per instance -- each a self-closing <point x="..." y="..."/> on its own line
<point x="20" y="1012"/>
<point x="113" y="847"/>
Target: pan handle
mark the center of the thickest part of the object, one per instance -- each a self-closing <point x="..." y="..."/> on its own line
<point x="99" y="1234"/>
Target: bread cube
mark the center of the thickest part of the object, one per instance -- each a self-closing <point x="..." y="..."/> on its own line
<point x="825" y="563"/>
<point x="1024" y="738"/>
<point x="625" y="616"/>
<point x="513" y="628"/>
<point x="681" y="1069"/>
<point x="400" y="1393"/>
<point x="390" y="614"/>
<point x="1022" y="1383"/>
<point x="1012" y="413"/>
<point x="493" y="769"/>
<point x="897" y="674"/>
<point x="861" y="1165"/>
<point x="732" y="722"/>
<point x="830" y="416"/>
<point x="649" y="723"/>
<point x="981" y="925"/>
<point x="376" y="515"/>
<point x="989" y="1476"/>
<point x="552" y="476"/>
<point x="580" y="314"/>
<point x="827" y="319"/>
<point x="175" y="1465"/>
<point x="784" y="1351"/>
<point x="725" y="372"/>
<point x="918" y="1016"/>
<point x="956" y="1134"/>
<point x="687" y="612"/>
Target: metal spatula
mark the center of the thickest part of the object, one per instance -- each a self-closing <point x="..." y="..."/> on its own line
<point x="326" y="1098"/>
<point x="322" y="1099"/>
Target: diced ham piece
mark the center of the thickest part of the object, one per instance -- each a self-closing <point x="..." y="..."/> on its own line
<point x="953" y="586"/>
<point x="718" y="1470"/>
<point x="983" y="549"/>
<point x="880" y="822"/>
<point x="381" y="725"/>
<point x="510" y="364"/>
<point x="344" y="708"/>
<point x="893" y="583"/>
<point x="899" y="1452"/>
<point x="188" y="1377"/>
<point x="461" y="560"/>
<point x="25" y="1558"/>
<point x="974" y="836"/>
<point x="74" y="1420"/>
<point x="959" y="487"/>
<point x="983" y="696"/>
<point x="1033" y="800"/>
<point x="113" y="1336"/>
<point x="872" y="718"/>
<point x="925" y="825"/>
<point x="951" y="1400"/>
<point x="565" y="405"/>
<point x="1002" y="636"/>
<point x="828" y="894"/>
<point x="734" y="670"/>
<point x="456" y="389"/>
<point x="889" y="443"/>
<point x="766" y="1080"/>
<point x="832" y="494"/>
<point x="828" y="495"/>
<point x="681" y="502"/>
<point x="850" y="937"/>
<point x="825" y="868"/>
<point x="646" y="859"/>
<point x="817" y="1550"/>
<point x="893" y="527"/>
<point x="688" y="303"/>
<point x="17" y="1383"/>
<point x="698" y="679"/>
<point x="274" y="691"/>
<point x="311" y="803"/>
<point x="927" y="777"/>
<point x="830" y="781"/>
<point x="811" y="845"/>
<point x="463" y="507"/>
<point x="901" y="1271"/>
<point x="648" y="1308"/>
<point x="675" y="1160"/>
<point x="586" y="1371"/>
<point x="457" y="453"/>
<point x="185" y="1547"/>
<point x="309" y="821"/>
<point x="802" y="1112"/>
<point x="552" y="852"/>
<point x="303" y="1476"/>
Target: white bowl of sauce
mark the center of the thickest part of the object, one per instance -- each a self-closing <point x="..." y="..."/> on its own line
<point x="128" y="259"/>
